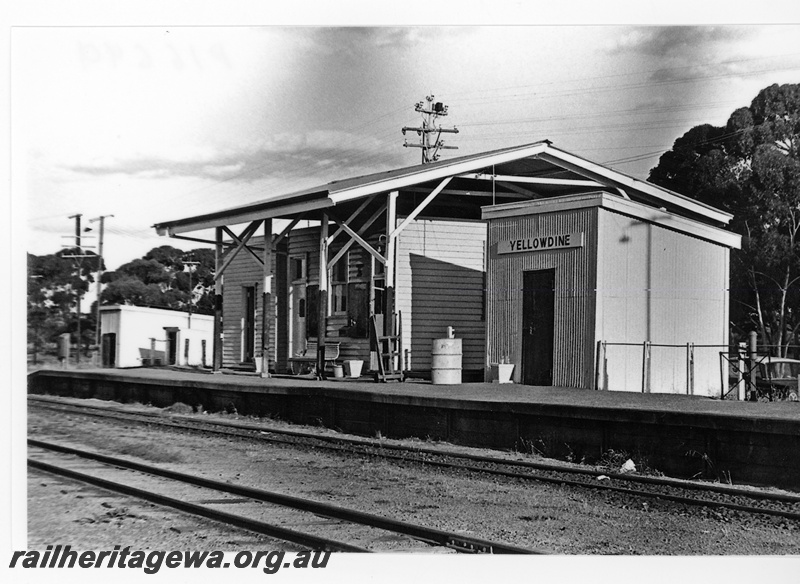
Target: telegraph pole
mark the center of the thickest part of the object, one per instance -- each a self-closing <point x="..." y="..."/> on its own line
<point x="101" y="219"/>
<point x="77" y="218"/>
<point x="430" y="113"/>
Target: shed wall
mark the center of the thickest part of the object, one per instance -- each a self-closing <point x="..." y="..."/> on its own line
<point x="244" y="271"/>
<point x="669" y="288"/>
<point x="575" y="277"/>
<point x="440" y="283"/>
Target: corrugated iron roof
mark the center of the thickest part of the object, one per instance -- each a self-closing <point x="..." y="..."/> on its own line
<point x="339" y="191"/>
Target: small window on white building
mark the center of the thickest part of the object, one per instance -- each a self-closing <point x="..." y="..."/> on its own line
<point x="340" y="276"/>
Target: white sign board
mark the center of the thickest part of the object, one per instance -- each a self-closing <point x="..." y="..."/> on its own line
<point x="541" y="243"/>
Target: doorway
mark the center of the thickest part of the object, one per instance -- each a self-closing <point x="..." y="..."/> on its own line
<point x="538" y="313"/>
<point x="172" y="345"/>
<point x="249" y="328"/>
<point x="298" y="304"/>
<point x="109" y="349"/>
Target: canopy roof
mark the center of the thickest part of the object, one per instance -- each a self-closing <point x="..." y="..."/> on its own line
<point x="530" y="171"/>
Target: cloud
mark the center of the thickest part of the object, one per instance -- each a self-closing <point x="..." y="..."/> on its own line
<point x="271" y="157"/>
<point x="675" y="41"/>
<point x="358" y="40"/>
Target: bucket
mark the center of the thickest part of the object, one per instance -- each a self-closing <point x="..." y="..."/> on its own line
<point x="501" y="372"/>
<point x="353" y="368"/>
<point x="446" y="361"/>
<point x="338" y="371"/>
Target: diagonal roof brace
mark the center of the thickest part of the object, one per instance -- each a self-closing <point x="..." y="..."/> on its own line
<point x="362" y="230"/>
<point x="241" y="242"/>
<point x="355" y="237"/>
<point x="352" y="216"/>
<point x="420" y="207"/>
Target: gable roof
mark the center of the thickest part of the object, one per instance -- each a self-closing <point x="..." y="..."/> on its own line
<point x="552" y="170"/>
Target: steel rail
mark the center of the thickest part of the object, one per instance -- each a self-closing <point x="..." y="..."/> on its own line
<point x="261" y="527"/>
<point x="427" y="534"/>
<point x="193" y="423"/>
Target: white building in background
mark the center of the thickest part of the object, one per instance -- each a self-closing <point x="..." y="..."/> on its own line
<point x="136" y="336"/>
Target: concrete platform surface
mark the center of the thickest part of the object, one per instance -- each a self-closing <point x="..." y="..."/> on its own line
<point x="486" y="393"/>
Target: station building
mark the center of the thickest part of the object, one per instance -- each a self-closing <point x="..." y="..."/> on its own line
<point x="570" y="271"/>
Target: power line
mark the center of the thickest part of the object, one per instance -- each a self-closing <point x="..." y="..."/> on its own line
<point x="97" y="343"/>
<point x="430" y="113"/>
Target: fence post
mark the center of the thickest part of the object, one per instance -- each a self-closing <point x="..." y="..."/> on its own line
<point x="646" y="367"/>
<point x="689" y="368"/>
<point x="598" y="373"/>
<point x="753" y="350"/>
<point x="740" y="384"/>
<point x="152" y="352"/>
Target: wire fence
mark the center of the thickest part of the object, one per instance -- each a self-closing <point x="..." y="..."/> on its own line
<point x="722" y="371"/>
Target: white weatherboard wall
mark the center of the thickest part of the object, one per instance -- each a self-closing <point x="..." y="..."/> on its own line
<point x="665" y="287"/>
<point x="136" y="325"/>
<point x="440" y="283"/>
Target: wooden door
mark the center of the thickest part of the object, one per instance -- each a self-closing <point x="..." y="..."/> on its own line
<point x="249" y="332"/>
<point x="538" y="303"/>
<point x="299" y="312"/>
<point x="172" y="347"/>
<point x="109" y="349"/>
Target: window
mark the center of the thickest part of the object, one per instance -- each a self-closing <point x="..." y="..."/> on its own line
<point x="378" y="286"/>
<point x="297" y="267"/>
<point x="339" y="279"/>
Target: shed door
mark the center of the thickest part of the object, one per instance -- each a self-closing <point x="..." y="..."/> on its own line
<point x="172" y="347"/>
<point x="538" y="299"/>
<point x="249" y="330"/>
<point x="109" y="349"/>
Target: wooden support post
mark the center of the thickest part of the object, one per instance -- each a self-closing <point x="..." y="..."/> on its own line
<point x="646" y="367"/>
<point x="322" y="321"/>
<point x="391" y="224"/>
<point x="216" y="350"/>
<point x="266" y="302"/>
<point x="690" y="369"/>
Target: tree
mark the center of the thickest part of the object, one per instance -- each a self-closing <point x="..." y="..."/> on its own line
<point x="161" y="279"/>
<point x="54" y="283"/>
<point x="751" y="168"/>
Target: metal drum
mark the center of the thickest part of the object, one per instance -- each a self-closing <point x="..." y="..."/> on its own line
<point x="446" y="361"/>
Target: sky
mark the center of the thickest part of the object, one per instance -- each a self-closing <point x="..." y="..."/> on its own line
<point x="145" y="124"/>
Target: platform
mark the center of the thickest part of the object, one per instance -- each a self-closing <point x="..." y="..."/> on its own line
<point x="683" y="436"/>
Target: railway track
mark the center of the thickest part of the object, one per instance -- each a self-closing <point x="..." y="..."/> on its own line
<point x="261" y="511"/>
<point x="721" y="498"/>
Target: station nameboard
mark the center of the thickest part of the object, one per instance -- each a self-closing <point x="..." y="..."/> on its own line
<point x="541" y="243"/>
